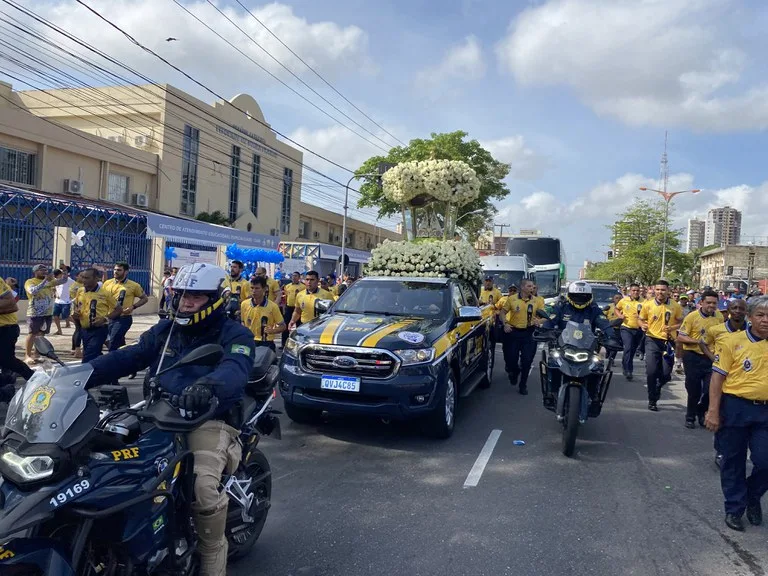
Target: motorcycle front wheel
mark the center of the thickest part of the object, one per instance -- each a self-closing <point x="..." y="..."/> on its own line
<point x="571" y="423"/>
<point x="242" y="537"/>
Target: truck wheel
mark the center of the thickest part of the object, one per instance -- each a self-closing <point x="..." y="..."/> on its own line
<point x="301" y="415"/>
<point x="440" y="423"/>
<point x="487" y="363"/>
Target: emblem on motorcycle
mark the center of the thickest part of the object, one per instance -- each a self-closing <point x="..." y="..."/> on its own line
<point x="41" y="399"/>
<point x="160" y="465"/>
<point x="344" y="362"/>
<point x="578" y="334"/>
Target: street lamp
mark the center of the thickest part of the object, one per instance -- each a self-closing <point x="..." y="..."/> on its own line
<point x="667" y="199"/>
<point x="383" y="167"/>
<point x="478" y="211"/>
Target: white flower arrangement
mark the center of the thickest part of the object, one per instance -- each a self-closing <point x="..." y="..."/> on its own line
<point x="450" y="181"/>
<point x="446" y="259"/>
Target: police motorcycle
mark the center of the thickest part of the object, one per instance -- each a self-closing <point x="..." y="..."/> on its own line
<point x="106" y="490"/>
<point x="575" y="378"/>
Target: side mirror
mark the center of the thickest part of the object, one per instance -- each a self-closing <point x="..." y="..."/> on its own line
<point x="45" y="348"/>
<point x="322" y="306"/>
<point x="470" y="314"/>
<point x="205" y="355"/>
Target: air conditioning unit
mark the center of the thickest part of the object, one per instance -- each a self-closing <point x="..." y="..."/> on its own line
<point x="273" y="232"/>
<point x="140" y="200"/>
<point x="316" y="234"/>
<point x="142" y="141"/>
<point x="73" y="187"/>
<point x="118" y="139"/>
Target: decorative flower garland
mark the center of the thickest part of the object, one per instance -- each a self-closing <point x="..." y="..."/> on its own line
<point x="446" y="259"/>
<point x="450" y="181"/>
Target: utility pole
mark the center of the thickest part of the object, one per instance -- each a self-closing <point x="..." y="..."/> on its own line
<point x="501" y="234"/>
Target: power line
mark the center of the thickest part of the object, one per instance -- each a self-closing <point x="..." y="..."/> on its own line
<point x="318" y="74"/>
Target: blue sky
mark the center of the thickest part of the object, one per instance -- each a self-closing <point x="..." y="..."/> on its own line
<point x="574" y="94"/>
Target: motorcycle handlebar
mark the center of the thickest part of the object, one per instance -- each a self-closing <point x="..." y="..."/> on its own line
<point x="164" y="415"/>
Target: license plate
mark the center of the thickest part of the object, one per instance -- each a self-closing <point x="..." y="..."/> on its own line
<point x="340" y="383"/>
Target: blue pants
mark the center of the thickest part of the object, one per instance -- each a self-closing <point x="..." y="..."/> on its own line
<point x="658" y="371"/>
<point x="519" y="352"/>
<point x="93" y="342"/>
<point x="631" y="338"/>
<point x="743" y="425"/>
<point x="117" y="330"/>
<point x="698" y="372"/>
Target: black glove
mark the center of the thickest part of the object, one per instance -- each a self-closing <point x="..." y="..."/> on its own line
<point x="197" y="397"/>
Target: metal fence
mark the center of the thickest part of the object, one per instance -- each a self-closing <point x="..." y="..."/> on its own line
<point x="28" y="220"/>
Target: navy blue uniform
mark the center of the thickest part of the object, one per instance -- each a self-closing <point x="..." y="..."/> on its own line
<point x="230" y="375"/>
<point x="564" y="312"/>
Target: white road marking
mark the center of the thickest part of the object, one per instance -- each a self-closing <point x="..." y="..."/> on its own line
<point x="482" y="460"/>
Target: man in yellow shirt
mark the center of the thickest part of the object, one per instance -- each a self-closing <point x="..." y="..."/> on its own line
<point x="631" y="335"/>
<point x="698" y="366"/>
<point x="94" y="309"/>
<point x="519" y="323"/>
<point x="489" y="293"/>
<point x="305" y="301"/>
<point x="263" y="317"/>
<point x="130" y="296"/>
<point x="41" y="293"/>
<point x="237" y="284"/>
<point x="659" y="318"/>
<point x="291" y="290"/>
<point x="272" y="284"/>
<point x="9" y="334"/>
<point x="738" y="414"/>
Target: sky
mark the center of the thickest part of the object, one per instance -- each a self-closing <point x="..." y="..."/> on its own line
<point x="576" y="95"/>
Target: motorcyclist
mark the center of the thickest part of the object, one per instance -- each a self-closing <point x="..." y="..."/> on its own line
<point x="579" y="307"/>
<point x="197" y="318"/>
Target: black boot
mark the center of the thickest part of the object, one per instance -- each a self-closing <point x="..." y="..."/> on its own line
<point x="734" y="522"/>
<point x="755" y="513"/>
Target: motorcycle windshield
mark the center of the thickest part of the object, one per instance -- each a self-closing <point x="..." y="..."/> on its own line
<point x="578" y="336"/>
<point x="44" y="409"/>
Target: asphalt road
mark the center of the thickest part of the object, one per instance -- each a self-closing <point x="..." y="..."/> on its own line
<point x="640" y="497"/>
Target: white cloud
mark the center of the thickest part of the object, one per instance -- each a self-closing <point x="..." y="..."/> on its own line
<point x="461" y="63"/>
<point x="658" y="62"/>
<point x="525" y="163"/>
<point x="331" y="48"/>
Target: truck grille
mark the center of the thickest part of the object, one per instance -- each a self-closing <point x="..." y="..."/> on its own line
<point x="368" y="363"/>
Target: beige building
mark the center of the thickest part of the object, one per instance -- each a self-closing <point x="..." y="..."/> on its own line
<point x="722" y="267"/>
<point x="323" y="226"/>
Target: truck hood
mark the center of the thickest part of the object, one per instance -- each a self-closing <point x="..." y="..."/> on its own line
<point x="371" y="331"/>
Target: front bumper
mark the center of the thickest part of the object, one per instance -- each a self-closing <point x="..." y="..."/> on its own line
<point x="396" y="397"/>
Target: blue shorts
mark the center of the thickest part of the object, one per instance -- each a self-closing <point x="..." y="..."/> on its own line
<point x="62" y="310"/>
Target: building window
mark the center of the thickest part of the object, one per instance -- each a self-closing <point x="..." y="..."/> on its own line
<point x="285" y="214"/>
<point x="303" y="229"/>
<point x="189" y="170"/>
<point x="17" y="167"/>
<point x="255" y="185"/>
<point x="234" y="183"/>
<point x="117" y="188"/>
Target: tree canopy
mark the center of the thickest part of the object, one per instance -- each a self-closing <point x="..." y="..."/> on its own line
<point x="445" y="146"/>
<point x="216" y="217"/>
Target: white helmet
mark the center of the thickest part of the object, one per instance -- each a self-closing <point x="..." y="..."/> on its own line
<point x="199" y="278"/>
<point x="579" y="294"/>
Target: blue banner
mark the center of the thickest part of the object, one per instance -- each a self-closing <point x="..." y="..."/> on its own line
<point x="196" y="232"/>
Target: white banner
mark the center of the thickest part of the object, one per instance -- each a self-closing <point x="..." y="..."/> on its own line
<point x="185" y="256"/>
<point x="291" y="265"/>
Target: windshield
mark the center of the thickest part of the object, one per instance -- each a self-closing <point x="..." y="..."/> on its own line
<point x="421" y="299"/>
<point x="503" y="280"/>
<point x="578" y="336"/>
<point x="603" y="295"/>
<point x="539" y="251"/>
<point x="46" y="407"/>
<point x="548" y="283"/>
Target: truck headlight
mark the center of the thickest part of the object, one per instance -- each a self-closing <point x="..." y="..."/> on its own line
<point x="29" y="468"/>
<point x="416" y="355"/>
<point x="291" y="347"/>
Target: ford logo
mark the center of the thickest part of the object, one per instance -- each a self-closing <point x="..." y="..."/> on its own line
<point x="344" y="362"/>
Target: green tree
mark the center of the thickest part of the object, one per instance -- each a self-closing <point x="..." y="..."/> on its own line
<point x="216" y="217"/>
<point x="445" y="146"/>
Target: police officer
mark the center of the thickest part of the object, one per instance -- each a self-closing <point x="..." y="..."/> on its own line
<point x="305" y="301"/>
<point x="629" y="307"/>
<point x="197" y="318"/>
<point x="95" y="307"/>
<point x="660" y="317"/>
<point x="491" y="296"/>
<point x="738" y="414"/>
<point x="519" y="324"/>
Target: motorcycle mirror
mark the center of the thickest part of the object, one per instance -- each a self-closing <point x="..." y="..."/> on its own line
<point x="44" y="347"/>
<point x="205" y="355"/>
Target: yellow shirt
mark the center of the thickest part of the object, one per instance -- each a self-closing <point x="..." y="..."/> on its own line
<point x="492" y="296"/>
<point x="74" y="289"/>
<point x="290" y="293"/>
<point x="41" y="297"/>
<point x="125" y="293"/>
<point x="11" y="318"/>
<point x="240" y="288"/>
<point x="521" y="313"/>
<point x="631" y="311"/>
<point x="716" y="333"/>
<point x="305" y="301"/>
<point x="611" y="312"/>
<point x="743" y="360"/>
<point x="696" y="326"/>
<point x="660" y="315"/>
<point x="274" y="289"/>
<point x="252" y="321"/>
<point x="92" y="305"/>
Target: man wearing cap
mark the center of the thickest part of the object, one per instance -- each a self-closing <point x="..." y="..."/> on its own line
<point x="41" y="294"/>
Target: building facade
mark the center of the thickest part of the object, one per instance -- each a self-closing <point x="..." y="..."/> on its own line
<point x="696" y="234"/>
<point x="723" y="227"/>
<point x="728" y="265"/>
<point x="323" y="226"/>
